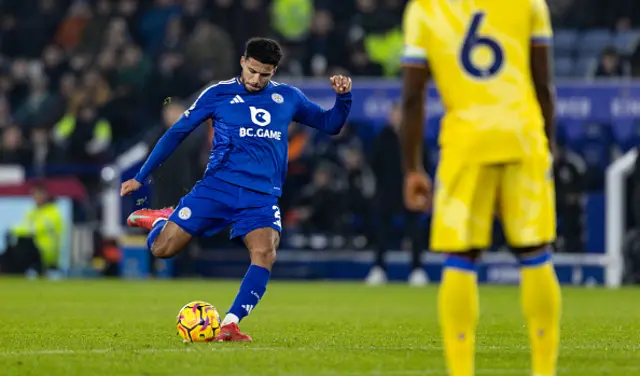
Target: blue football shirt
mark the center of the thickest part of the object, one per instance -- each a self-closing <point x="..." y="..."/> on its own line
<point x="250" y="145"/>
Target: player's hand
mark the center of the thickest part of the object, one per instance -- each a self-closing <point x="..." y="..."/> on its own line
<point x="340" y="84"/>
<point x="417" y="191"/>
<point x="129" y="187"/>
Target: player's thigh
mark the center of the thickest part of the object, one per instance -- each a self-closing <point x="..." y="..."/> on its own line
<point x="463" y="208"/>
<point x="171" y="240"/>
<point x="527" y="202"/>
<point x="203" y="212"/>
<point x="259" y="228"/>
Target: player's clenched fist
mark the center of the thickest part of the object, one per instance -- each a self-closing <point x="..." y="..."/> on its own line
<point x="340" y="84"/>
<point x="417" y="191"/>
<point x="129" y="186"/>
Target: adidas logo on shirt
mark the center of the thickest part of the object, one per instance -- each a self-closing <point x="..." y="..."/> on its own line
<point x="237" y="99"/>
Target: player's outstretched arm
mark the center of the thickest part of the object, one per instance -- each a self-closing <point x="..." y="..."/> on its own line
<point x="330" y="121"/>
<point x="194" y="116"/>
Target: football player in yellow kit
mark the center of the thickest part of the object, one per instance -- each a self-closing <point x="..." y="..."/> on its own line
<point x="490" y="60"/>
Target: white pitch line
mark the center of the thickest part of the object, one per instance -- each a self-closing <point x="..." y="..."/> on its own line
<point x="218" y="347"/>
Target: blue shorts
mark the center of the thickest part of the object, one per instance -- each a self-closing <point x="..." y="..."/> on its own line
<point x="214" y="204"/>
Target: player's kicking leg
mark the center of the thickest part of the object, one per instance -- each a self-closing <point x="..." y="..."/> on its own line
<point x="166" y="239"/>
<point x="262" y="244"/>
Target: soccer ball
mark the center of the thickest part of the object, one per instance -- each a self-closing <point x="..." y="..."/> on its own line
<point x="198" y="321"/>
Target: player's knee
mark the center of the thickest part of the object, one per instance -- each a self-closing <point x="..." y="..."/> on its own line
<point x="263" y="255"/>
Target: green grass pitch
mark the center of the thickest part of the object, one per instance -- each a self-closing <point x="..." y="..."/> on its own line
<point x="112" y="327"/>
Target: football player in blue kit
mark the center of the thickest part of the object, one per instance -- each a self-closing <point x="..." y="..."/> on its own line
<point x="247" y="166"/>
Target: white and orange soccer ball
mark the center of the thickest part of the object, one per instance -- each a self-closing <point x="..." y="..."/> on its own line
<point x="198" y="321"/>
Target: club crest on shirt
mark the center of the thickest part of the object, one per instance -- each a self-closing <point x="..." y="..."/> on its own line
<point x="184" y="213"/>
<point x="277" y="98"/>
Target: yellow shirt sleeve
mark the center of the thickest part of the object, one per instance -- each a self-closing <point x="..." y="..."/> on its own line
<point x="414" y="29"/>
<point x="541" y="32"/>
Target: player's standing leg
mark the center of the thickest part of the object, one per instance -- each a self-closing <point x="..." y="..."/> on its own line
<point x="528" y="213"/>
<point x="458" y="311"/>
<point x="541" y="301"/>
<point x="262" y="244"/>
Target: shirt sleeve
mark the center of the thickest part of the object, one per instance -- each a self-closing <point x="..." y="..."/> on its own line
<point x="415" y="35"/>
<point x="331" y="121"/>
<point x="541" y="32"/>
<point x="201" y="109"/>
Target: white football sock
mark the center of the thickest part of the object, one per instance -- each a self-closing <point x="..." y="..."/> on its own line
<point x="230" y="318"/>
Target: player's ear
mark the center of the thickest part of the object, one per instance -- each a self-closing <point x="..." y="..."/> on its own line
<point x="242" y="60"/>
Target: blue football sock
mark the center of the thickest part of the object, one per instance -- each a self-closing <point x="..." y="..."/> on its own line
<point x="155" y="231"/>
<point x="252" y="288"/>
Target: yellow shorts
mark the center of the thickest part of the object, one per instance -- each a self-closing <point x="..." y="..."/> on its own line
<point x="468" y="195"/>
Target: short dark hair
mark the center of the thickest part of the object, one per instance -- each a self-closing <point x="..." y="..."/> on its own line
<point x="266" y="51"/>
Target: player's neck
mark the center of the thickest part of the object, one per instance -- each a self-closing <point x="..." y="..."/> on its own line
<point x="241" y="82"/>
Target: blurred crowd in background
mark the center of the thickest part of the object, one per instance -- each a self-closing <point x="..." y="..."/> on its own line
<point x="81" y="81"/>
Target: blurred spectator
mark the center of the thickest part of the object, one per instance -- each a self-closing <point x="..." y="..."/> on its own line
<point x="43" y="152"/>
<point x="135" y="69"/>
<point x="299" y="169"/>
<point x="387" y="166"/>
<point x="84" y="136"/>
<point x="70" y="30"/>
<point x="253" y="19"/>
<point x="360" y="192"/>
<point x="5" y="113"/>
<point x="361" y="65"/>
<point x="292" y="18"/>
<point x="210" y="53"/>
<point x="173" y="38"/>
<point x="13" y="150"/>
<point x="192" y="11"/>
<point x="175" y="177"/>
<point x="93" y="34"/>
<point x="117" y="35"/>
<point x="18" y="85"/>
<point x="154" y="21"/>
<point x="38" y="106"/>
<point x="569" y="175"/>
<point x="55" y="65"/>
<point x="37" y="27"/>
<point x="611" y="65"/>
<point x="35" y="243"/>
<point x="321" y="206"/>
<point x="129" y="11"/>
<point x="171" y="78"/>
<point x="332" y="148"/>
<point x="323" y="45"/>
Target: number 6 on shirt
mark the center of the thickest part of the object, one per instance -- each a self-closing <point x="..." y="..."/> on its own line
<point x="471" y="41"/>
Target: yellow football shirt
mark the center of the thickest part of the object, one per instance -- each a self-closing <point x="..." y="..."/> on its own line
<point x="478" y="53"/>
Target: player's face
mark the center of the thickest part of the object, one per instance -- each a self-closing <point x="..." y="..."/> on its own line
<point x="255" y="75"/>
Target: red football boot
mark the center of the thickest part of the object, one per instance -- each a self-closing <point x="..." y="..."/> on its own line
<point x="231" y="333"/>
<point x="145" y="218"/>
